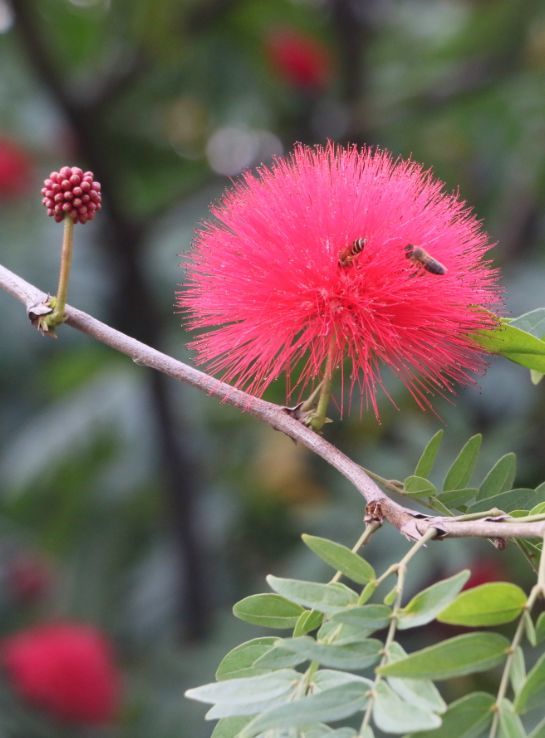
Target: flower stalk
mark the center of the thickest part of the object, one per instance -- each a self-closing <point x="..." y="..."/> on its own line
<point x="58" y="303"/>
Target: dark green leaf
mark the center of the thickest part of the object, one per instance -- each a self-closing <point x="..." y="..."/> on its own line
<point x="308" y="621"/>
<point x="425" y="605"/>
<point x="489" y="604"/>
<point x="357" y="655"/>
<point x="516" y="499"/>
<point x="514" y="344"/>
<point x="326" y="598"/>
<point x="329" y="706"/>
<point x="468" y="717"/>
<point x="341" y="558"/>
<point x="429" y="454"/>
<point x="531" y="692"/>
<point x="510" y="723"/>
<point x="465" y="654"/>
<point x="268" y="610"/>
<point x="414" y="485"/>
<point x="461" y="470"/>
<point x="240" y="661"/>
<point x="500" y="478"/>
<point x="393" y="715"/>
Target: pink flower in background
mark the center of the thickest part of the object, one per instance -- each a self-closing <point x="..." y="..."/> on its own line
<point x="300" y="60"/>
<point x="66" y="669"/>
<point x="15" y="169"/>
<point x="318" y="255"/>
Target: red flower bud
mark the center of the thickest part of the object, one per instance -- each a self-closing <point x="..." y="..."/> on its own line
<point x="300" y="60"/>
<point x="62" y="195"/>
<point x="15" y="170"/>
<point x="66" y="669"/>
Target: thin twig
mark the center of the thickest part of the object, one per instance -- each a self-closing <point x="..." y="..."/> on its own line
<point x="380" y="507"/>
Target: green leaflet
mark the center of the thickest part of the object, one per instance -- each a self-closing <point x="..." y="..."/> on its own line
<point x="341" y="558"/>
<point x="425" y="605"/>
<point x="393" y="715"/>
<point x="326" y="598"/>
<point x="500" y="478"/>
<point x="468" y="717"/>
<point x="489" y="604"/>
<point x="429" y="454"/>
<point x="514" y="344"/>
<point x="460" y="472"/>
<point x="268" y="610"/>
<point x="530" y="694"/>
<point x="465" y="654"/>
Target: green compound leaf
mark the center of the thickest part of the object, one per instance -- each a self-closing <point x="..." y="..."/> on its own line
<point x="516" y="499"/>
<point x="510" y="723"/>
<point x="468" y="717"/>
<point x="461" y="470"/>
<point x="531" y="693"/>
<point x="500" y="478"/>
<point x="489" y="604"/>
<point x="429" y="454"/>
<point x="393" y="715"/>
<point x="368" y="617"/>
<point x="465" y="654"/>
<point x="326" y="598"/>
<point x="514" y="344"/>
<point x="357" y="655"/>
<point x="327" y="706"/>
<point x="426" y="605"/>
<point x="268" y="610"/>
<point x="415" y="486"/>
<point x="420" y="692"/>
<point x="341" y="558"/>
<point x="240" y="661"/>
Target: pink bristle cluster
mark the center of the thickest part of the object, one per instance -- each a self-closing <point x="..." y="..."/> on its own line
<point x="269" y="291"/>
<point x="72" y="192"/>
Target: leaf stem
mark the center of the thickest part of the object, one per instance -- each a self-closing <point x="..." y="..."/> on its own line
<point x="401" y="569"/>
<point x="538" y="590"/>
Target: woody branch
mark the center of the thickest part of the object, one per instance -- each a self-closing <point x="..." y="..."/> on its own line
<point x="379" y="506"/>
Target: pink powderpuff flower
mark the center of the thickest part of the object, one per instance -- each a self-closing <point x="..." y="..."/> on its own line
<point x="317" y="259"/>
<point x="67" y="669"/>
<point x="300" y="60"/>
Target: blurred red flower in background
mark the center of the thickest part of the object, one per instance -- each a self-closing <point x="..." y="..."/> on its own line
<point x="274" y="285"/>
<point x="484" y="571"/>
<point x="67" y="669"/>
<point x="15" y="169"/>
<point x="300" y="60"/>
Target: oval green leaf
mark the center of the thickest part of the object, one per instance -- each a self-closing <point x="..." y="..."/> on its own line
<point x="468" y="717"/>
<point x="425" y="606"/>
<point x="489" y="604"/>
<point x="328" y="706"/>
<point x="393" y="715"/>
<point x="239" y="662"/>
<point x="465" y="654"/>
<point x="414" y="485"/>
<point x="429" y="454"/>
<point x="341" y="558"/>
<point x="420" y="692"/>
<point x="326" y="598"/>
<point x="367" y="617"/>
<point x="514" y="344"/>
<point x="531" y="693"/>
<point x="268" y="610"/>
<point x="357" y="655"/>
<point x="461" y="470"/>
<point x="500" y="478"/>
<point x="510" y="723"/>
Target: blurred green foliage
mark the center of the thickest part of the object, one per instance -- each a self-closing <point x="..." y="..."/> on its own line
<point x="106" y="475"/>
